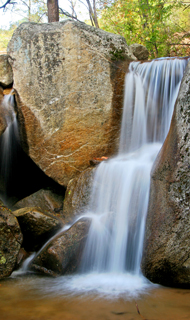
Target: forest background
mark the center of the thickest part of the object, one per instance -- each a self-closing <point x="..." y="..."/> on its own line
<point x="163" y="26"/>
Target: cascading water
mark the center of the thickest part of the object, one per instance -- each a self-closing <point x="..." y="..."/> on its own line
<point x="120" y="193"/>
<point x="8" y="146"/>
<point x="119" y="200"/>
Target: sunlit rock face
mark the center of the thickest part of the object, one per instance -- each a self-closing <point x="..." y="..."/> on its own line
<point x="10" y="241"/>
<point x="6" y="74"/>
<point x="69" y="78"/>
<point x="166" y="258"/>
<point x="77" y="196"/>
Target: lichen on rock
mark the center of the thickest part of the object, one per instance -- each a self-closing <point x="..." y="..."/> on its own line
<point x="10" y="241"/>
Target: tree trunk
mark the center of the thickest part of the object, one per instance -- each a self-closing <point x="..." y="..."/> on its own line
<point x="29" y="11"/>
<point x="53" y="10"/>
<point x="95" y="14"/>
<point x="92" y="13"/>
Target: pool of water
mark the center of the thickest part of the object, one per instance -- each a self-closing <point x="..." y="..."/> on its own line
<point x="32" y="297"/>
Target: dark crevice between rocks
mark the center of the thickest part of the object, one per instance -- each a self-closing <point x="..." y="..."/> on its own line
<point x="19" y="175"/>
<point x="2" y="85"/>
<point x="117" y="77"/>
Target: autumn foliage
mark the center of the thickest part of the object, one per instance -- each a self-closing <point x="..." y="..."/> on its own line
<point x="157" y="24"/>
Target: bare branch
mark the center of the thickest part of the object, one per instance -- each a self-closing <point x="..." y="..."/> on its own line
<point x="6" y="3"/>
<point x="67" y="14"/>
<point x="72" y="6"/>
<point x="25" y="4"/>
<point x="83" y="3"/>
<point x="179" y="44"/>
<point x="42" y="16"/>
<point x="186" y="7"/>
<point x="95" y="14"/>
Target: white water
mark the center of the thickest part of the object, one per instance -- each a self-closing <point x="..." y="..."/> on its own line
<point x="8" y="145"/>
<point x="111" y="260"/>
<point x="24" y="267"/>
<point x="120" y="194"/>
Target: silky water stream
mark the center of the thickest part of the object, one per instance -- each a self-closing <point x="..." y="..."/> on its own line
<point x="110" y="266"/>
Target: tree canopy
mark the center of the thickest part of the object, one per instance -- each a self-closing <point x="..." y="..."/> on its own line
<point x="157" y="24"/>
<point x="163" y="26"/>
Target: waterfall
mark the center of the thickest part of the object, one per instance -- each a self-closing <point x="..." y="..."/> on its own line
<point x="19" y="175"/>
<point x="112" y="255"/>
<point x="120" y="193"/>
<point x="9" y="147"/>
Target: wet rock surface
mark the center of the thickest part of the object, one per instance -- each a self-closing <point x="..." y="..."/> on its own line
<point x="77" y="73"/>
<point x="37" y="227"/>
<point x="22" y="256"/>
<point x="62" y="255"/>
<point x="77" y="196"/>
<point x="166" y="256"/>
<point x="10" y="241"/>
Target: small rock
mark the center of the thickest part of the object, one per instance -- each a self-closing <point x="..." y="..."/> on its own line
<point x="46" y="200"/>
<point x="10" y="241"/>
<point x="37" y="227"/>
<point x="63" y="254"/>
<point x="139" y="51"/>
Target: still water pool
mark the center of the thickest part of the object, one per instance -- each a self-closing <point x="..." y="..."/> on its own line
<point x="31" y="298"/>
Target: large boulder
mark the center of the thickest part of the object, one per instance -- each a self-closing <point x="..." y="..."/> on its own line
<point x="6" y="74"/>
<point x="77" y="196"/>
<point x="45" y="199"/>
<point x="69" y="80"/>
<point x="63" y="253"/>
<point x="37" y="227"/>
<point x="10" y="241"/>
<point x="166" y="257"/>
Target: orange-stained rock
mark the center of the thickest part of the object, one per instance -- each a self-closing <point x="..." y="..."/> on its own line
<point x="77" y="196"/>
<point x="8" y="91"/>
<point x="69" y="80"/>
